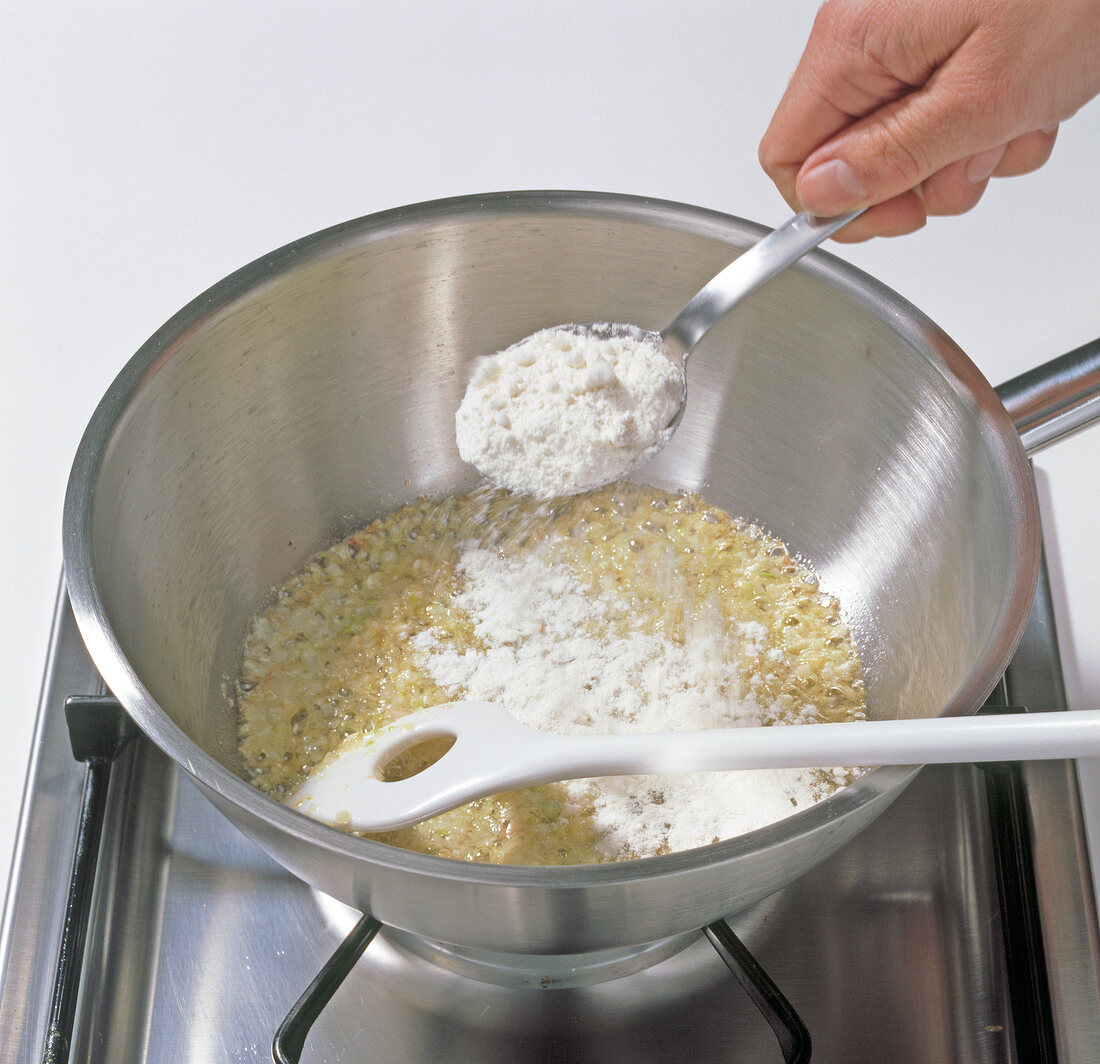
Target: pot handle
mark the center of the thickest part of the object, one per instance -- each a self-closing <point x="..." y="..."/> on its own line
<point x="1053" y="401"/>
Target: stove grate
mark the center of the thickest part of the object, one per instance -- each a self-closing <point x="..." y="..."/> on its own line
<point x="794" y="1039"/>
<point x="99" y="730"/>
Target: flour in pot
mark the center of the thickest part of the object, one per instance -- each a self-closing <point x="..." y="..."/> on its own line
<point x="626" y="608"/>
<point x="564" y="661"/>
<point x="563" y="410"/>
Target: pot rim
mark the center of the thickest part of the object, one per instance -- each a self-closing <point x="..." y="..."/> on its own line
<point x="106" y="651"/>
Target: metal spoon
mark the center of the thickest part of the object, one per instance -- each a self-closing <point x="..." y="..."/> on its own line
<point x="743" y="276"/>
<point x="779" y="249"/>
<point x="493" y="753"/>
<point x="760" y="263"/>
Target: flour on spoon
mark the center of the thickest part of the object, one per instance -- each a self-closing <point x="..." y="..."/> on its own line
<point x="565" y="410"/>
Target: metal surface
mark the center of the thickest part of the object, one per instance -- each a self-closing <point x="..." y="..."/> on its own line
<point x="1058" y="399"/>
<point x="317" y="387"/>
<point x="1066" y="899"/>
<point x="200" y="944"/>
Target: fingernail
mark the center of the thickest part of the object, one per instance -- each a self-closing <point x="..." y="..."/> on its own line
<point x="1051" y="129"/>
<point x="830" y="188"/>
<point x="981" y="166"/>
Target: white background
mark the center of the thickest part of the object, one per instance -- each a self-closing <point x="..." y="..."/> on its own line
<point x="146" y="150"/>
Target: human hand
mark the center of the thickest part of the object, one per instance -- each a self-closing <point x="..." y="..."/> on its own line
<point x="910" y="106"/>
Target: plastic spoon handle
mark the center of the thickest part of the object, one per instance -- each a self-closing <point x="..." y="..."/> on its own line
<point x="494" y="753"/>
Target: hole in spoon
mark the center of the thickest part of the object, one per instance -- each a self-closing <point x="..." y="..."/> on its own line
<point x="415" y="758"/>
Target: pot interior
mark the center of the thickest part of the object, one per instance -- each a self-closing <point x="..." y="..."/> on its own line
<point x="316" y="389"/>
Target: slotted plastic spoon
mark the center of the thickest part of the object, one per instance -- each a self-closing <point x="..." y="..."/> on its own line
<point x="493" y="753"/>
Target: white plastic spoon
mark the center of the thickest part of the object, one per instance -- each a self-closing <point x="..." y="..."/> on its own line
<point x="493" y="753"/>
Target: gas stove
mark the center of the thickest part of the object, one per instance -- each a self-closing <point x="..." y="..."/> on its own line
<point x="961" y="926"/>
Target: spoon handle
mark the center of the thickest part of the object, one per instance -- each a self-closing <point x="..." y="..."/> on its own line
<point x="493" y="752"/>
<point x="938" y="740"/>
<point x="748" y="272"/>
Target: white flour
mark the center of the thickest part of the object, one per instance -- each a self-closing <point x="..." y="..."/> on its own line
<point x="561" y="412"/>
<point x="553" y="659"/>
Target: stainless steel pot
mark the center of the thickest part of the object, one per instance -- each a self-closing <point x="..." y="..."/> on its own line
<point x="316" y="387"/>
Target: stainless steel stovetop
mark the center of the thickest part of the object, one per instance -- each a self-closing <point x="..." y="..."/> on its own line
<point x="911" y="945"/>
